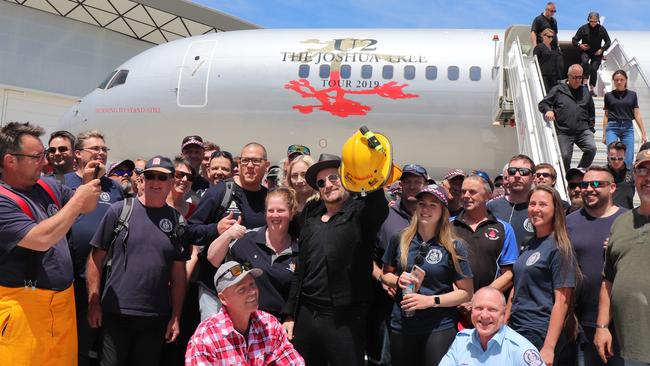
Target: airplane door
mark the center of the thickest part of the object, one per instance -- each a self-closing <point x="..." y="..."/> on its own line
<point x="194" y="75"/>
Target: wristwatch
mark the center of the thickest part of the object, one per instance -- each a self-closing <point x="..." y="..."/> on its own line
<point x="602" y="326"/>
<point x="436" y="300"/>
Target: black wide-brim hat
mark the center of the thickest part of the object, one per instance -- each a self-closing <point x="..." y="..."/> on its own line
<point x="324" y="161"/>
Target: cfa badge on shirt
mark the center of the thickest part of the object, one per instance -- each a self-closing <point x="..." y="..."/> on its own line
<point x="532" y="259"/>
<point x="532" y="358"/>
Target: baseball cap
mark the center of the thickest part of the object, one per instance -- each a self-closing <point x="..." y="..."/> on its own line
<point x="454" y="173"/>
<point x="159" y="164"/>
<point x="231" y="273"/>
<point x="192" y="140"/>
<point x="415" y="169"/>
<point x="435" y="190"/>
<point x="296" y="149"/>
<point x="642" y="157"/>
<point x="575" y="172"/>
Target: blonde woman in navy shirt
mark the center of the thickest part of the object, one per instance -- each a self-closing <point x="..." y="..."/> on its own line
<point x="429" y="241"/>
<point x="544" y="278"/>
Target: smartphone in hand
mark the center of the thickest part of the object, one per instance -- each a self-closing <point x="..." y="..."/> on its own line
<point x="418" y="273"/>
<point x="96" y="172"/>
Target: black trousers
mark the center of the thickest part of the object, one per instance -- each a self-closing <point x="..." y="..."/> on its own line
<point x="328" y="336"/>
<point x="88" y="339"/>
<point x="590" y="65"/>
<point x="132" y="340"/>
<point x="420" y="349"/>
<point x="549" y="81"/>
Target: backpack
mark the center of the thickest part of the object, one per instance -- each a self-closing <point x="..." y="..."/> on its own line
<point x="121" y="232"/>
<point x="31" y="259"/>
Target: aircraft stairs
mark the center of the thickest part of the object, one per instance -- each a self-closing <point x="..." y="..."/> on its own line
<point x="521" y="88"/>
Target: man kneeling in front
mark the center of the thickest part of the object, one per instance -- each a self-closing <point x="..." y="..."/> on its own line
<point x="239" y="334"/>
<point x="491" y="342"/>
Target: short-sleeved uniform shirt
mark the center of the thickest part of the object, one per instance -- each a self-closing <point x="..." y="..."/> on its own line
<point x="620" y="105"/>
<point x="202" y="226"/>
<point x="139" y="281"/>
<point x="275" y="282"/>
<point x="54" y="266"/>
<point x="85" y="225"/>
<point x="438" y="280"/>
<point x="505" y="348"/>
<point x="490" y="247"/>
<point x="587" y="234"/>
<point x="515" y="214"/>
<point x="538" y="272"/>
<point x="626" y="266"/>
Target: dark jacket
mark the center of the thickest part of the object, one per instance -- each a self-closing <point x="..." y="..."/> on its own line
<point x="349" y="248"/>
<point x="625" y="189"/>
<point x="549" y="60"/>
<point x="594" y="37"/>
<point x="571" y="115"/>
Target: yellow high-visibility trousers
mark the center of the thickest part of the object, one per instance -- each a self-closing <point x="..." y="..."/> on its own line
<point x="37" y="327"/>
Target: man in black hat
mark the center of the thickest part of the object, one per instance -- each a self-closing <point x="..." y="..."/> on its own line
<point x="192" y="149"/>
<point x="331" y="289"/>
<point x="142" y="298"/>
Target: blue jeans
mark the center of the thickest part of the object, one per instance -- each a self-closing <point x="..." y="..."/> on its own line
<point x="629" y="362"/>
<point x="622" y="131"/>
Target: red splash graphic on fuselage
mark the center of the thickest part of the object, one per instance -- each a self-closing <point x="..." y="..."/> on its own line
<point x="333" y="99"/>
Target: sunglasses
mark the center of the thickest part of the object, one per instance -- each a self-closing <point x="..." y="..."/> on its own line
<point x="498" y="185"/>
<point x="122" y="172"/>
<point x="616" y="158"/>
<point x="524" y="172"/>
<point x="154" y="176"/>
<point x="594" y="184"/>
<point x="641" y="172"/>
<point x="333" y="178"/>
<point x="544" y="175"/>
<point x="414" y="168"/>
<point x="61" y="149"/>
<point x="574" y="185"/>
<point x="237" y="270"/>
<point x="298" y="149"/>
<point x="179" y="175"/>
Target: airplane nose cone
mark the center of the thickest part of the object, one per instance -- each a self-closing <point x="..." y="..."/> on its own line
<point x="72" y="118"/>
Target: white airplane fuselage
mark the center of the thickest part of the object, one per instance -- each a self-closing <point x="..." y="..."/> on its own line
<point x="243" y="86"/>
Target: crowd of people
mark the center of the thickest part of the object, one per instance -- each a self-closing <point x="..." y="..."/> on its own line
<point x="208" y="258"/>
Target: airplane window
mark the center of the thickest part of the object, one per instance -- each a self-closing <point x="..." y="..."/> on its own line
<point x="119" y="79"/>
<point x="105" y="82"/>
<point x="303" y="71"/>
<point x="387" y="72"/>
<point x="431" y="72"/>
<point x="475" y="73"/>
<point x="346" y="70"/>
<point x="366" y="71"/>
<point x="409" y="72"/>
<point x="453" y="73"/>
<point x="324" y="72"/>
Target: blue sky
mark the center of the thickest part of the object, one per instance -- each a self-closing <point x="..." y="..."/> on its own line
<point x="619" y="14"/>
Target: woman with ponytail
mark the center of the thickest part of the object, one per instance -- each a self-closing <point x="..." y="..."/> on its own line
<point x="424" y="317"/>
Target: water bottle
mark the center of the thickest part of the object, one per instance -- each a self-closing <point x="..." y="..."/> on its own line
<point x="408" y="290"/>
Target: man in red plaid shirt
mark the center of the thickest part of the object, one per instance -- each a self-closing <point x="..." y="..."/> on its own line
<point x="239" y="334"/>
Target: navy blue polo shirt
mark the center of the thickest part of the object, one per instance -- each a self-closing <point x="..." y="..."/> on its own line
<point x="398" y="219"/>
<point x="139" y="282"/>
<point x="53" y="266"/>
<point x="275" y="282"/>
<point x="491" y="246"/>
<point x="439" y="279"/>
<point x="587" y="234"/>
<point x="84" y="226"/>
<point x="515" y="214"/>
<point x="537" y="274"/>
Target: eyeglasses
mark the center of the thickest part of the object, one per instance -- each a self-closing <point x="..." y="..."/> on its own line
<point x="254" y="161"/>
<point x="574" y="185"/>
<point x="524" y="172"/>
<point x="61" y="149"/>
<point x="154" y="176"/>
<point x="179" y="175"/>
<point x="236" y="270"/>
<point x="544" y="175"/>
<point x="641" y="172"/>
<point x="333" y="178"/>
<point x="122" y="172"/>
<point x="39" y="156"/>
<point x="96" y="149"/>
<point x="576" y="77"/>
<point x="616" y="158"/>
<point x="594" y="184"/>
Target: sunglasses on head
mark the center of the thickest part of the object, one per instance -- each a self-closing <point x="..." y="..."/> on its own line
<point x="122" y="172"/>
<point x="524" y="172"/>
<point x="333" y="178"/>
<point x="180" y="175"/>
<point x="237" y="269"/>
<point x="61" y="149"/>
<point x="594" y="184"/>
<point x="156" y="176"/>
<point x="414" y="167"/>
